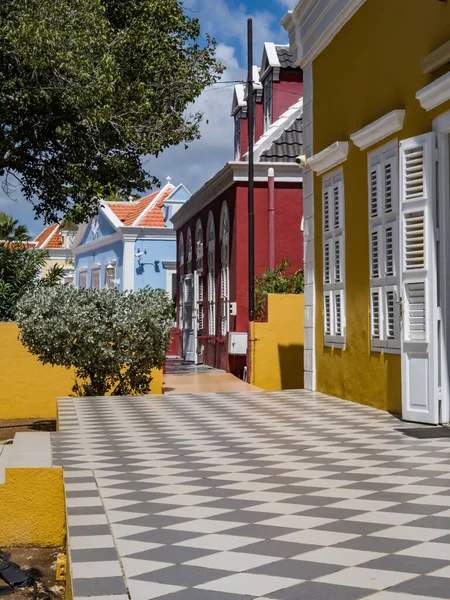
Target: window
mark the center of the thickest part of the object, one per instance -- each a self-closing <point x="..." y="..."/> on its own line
<point x="334" y="260"/>
<point x="189" y="252"/>
<point x="181" y="277"/>
<point x="237" y="136"/>
<point x="384" y="248"/>
<point x="82" y="279"/>
<point x="95" y="277"/>
<point x="225" y="270"/>
<point x="199" y="246"/>
<point x="211" y="276"/>
<point x="268" y="86"/>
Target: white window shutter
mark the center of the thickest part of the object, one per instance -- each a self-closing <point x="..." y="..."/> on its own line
<point x="326" y="210"/>
<point x="374" y="191"/>
<point x="375" y="252"/>
<point x="419" y="279"/>
<point x="327" y="313"/>
<point x="375" y="314"/>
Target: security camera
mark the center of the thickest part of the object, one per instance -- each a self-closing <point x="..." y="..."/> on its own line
<point x="301" y="160"/>
<point x="139" y="254"/>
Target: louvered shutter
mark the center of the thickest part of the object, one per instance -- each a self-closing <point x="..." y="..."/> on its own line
<point x="419" y="292"/>
<point x="375" y="312"/>
<point x="327" y="313"/>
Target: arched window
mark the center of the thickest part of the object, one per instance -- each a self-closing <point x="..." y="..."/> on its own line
<point x="211" y="237"/>
<point x="189" y="251"/>
<point x="199" y="246"/>
<point x="180" y="279"/>
<point x="225" y="270"/>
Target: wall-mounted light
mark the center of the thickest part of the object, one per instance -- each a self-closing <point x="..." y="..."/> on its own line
<point x="69" y="275"/>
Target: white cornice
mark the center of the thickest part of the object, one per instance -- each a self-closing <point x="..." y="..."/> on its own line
<point x="232" y="172"/>
<point x="435" y="93"/>
<point x="379" y="129"/>
<point x="436" y="59"/>
<point x="148" y="233"/>
<point x="170" y="265"/>
<point x="329" y="158"/>
<point x="59" y="253"/>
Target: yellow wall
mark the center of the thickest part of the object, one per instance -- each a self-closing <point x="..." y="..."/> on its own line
<point x="277" y="361"/>
<point x="371" y="68"/>
<point x="32" y="508"/>
<point x="29" y="389"/>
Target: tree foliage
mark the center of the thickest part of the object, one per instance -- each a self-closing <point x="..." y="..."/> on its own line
<point x="276" y="281"/>
<point x="11" y="230"/>
<point x="112" y="339"/>
<point x="87" y="88"/>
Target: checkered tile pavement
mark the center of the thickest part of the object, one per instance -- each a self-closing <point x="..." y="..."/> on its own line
<point x="268" y="495"/>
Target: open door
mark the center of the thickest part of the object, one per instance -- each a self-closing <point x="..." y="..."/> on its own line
<point x="188" y="319"/>
<point x="419" y="281"/>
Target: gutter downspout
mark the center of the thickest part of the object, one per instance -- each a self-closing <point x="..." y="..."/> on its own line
<point x="271" y="186"/>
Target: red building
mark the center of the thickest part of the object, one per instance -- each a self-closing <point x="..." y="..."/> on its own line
<point x="212" y="227"/>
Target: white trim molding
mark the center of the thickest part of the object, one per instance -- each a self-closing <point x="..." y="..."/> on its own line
<point x="170" y="265"/>
<point x="329" y="158"/>
<point x="379" y="129"/>
<point x="436" y="59"/>
<point x="104" y="241"/>
<point x="435" y="93"/>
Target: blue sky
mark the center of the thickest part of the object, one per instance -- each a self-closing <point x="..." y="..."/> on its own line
<point x="226" y="20"/>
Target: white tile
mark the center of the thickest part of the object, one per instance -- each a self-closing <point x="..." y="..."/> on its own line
<point x="339" y="556"/>
<point x="83" y="542"/>
<point x="428" y="550"/>
<point x="296" y="521"/>
<point x="375" y="579"/>
<point x="184" y="500"/>
<point x="137" y="566"/>
<point x="219" y="542"/>
<point x="79" y="502"/>
<point x="90" y="570"/>
<point x="249" y="584"/>
<point x="147" y="590"/>
<point x="395" y="596"/>
<point x="385" y="518"/>
<point x="233" y="561"/>
<point x="194" y="512"/>
<point x="206" y="525"/>
<point x="280" y="508"/>
<point x="316" y="537"/>
<point x="264" y="496"/>
<point x="75" y="520"/>
<point x="420" y="534"/>
<point x="117" y="516"/>
<point x="120" y="530"/>
<point x="127" y="547"/>
<point x="361" y="504"/>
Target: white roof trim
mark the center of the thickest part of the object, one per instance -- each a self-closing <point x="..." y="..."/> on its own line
<point x="231" y="173"/>
<point x="329" y="158"/>
<point x="43" y="245"/>
<point x="379" y="129"/>
<point x="435" y="93"/>
<point x="276" y="129"/>
<point x="239" y="101"/>
<point x="273" y="61"/>
<point x="170" y="200"/>
<point x="110" y="215"/>
<point x="153" y="203"/>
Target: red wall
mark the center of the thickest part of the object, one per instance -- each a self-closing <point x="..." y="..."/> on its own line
<point x="288" y="244"/>
<point x="287" y="91"/>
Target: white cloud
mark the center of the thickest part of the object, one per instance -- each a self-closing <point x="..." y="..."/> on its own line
<point x="289" y="4"/>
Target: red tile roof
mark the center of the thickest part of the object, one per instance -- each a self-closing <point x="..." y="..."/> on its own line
<point x="53" y="233"/>
<point x="130" y="212"/>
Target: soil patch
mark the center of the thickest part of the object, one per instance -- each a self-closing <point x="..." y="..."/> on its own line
<point x="8" y="428"/>
<point x="43" y="559"/>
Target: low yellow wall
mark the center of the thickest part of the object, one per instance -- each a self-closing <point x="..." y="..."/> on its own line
<point x="32" y="508"/>
<point x="29" y="389"/>
<point x="277" y="353"/>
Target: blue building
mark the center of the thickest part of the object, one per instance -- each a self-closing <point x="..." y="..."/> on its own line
<point x="130" y="245"/>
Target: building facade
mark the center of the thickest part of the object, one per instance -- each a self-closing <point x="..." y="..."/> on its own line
<point x="376" y="134"/>
<point x="57" y="240"/>
<point x="212" y="227"/>
<point x="131" y="245"/>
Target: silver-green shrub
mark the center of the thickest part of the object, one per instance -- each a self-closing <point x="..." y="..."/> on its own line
<point x="112" y="339"/>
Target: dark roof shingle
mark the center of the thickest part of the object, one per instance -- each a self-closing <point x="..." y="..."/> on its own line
<point x="287" y="146"/>
<point x="285" y="57"/>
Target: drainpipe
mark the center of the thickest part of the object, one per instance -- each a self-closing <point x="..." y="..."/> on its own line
<point x="271" y="186"/>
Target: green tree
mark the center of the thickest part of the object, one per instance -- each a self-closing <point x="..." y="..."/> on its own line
<point x="89" y="87"/>
<point x="11" y="230"/>
<point x="112" y="339"/>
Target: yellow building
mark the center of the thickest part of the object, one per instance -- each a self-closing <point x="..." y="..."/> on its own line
<point x="376" y="200"/>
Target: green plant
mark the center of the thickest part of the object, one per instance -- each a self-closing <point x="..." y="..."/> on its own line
<point x="88" y="88"/>
<point x="276" y="281"/>
<point x="11" y="230"/>
<point x="112" y="339"/>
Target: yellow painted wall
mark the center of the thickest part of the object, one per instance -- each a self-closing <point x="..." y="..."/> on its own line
<point x="277" y="361"/>
<point x="371" y="68"/>
<point x="29" y="389"/>
<point x="32" y="508"/>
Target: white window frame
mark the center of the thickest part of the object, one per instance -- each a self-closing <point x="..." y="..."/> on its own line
<point x="333" y="237"/>
<point x="268" y="101"/>
<point x="180" y="279"/>
<point x="225" y="269"/>
<point x="199" y="245"/>
<point x="211" y="239"/>
<point x="82" y="271"/>
<point x="189" y="252"/>
<point x="237" y="135"/>
<point x="382" y="282"/>
<point x="95" y="270"/>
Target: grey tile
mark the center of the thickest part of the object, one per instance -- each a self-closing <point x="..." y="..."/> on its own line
<point x="93" y="555"/>
<point x="414" y="509"/>
<point x="101" y="586"/>
<point x="231" y="504"/>
<point x="358" y="527"/>
<point x="171" y="554"/>
<point x="330" y="512"/>
<point x="405" y="564"/>
<point x="311" y="590"/>
<point x="426" y="586"/>
<point x="183" y="575"/>
<point x="432" y="522"/>
<point x="89" y="530"/>
<point x="263" y="532"/>
<point x="296" y="569"/>
<point x="85" y="510"/>
<point x="277" y="548"/>
<point x="244" y="516"/>
<point x="376" y="544"/>
<point x="162" y="536"/>
<point x="152" y="520"/>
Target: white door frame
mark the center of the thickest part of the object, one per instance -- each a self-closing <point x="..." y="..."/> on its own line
<point x="441" y="125"/>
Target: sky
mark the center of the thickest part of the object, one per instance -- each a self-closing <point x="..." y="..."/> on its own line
<point x="226" y="20"/>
